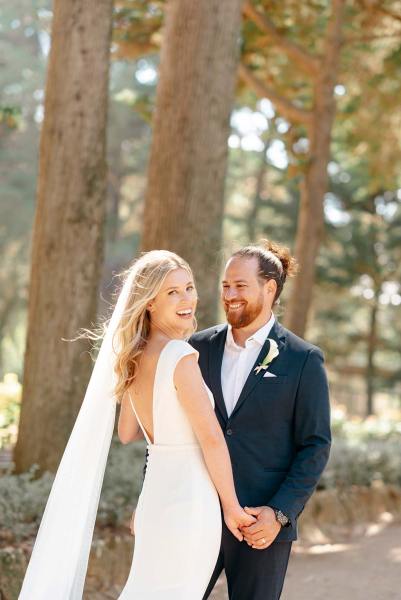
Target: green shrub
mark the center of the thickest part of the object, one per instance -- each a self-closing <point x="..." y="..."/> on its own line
<point x="23" y="498"/>
<point x="362" y="463"/>
<point x="364" y="451"/>
<point x="122" y="482"/>
<point x="362" y="430"/>
<point x="10" y="398"/>
<point x="22" y="502"/>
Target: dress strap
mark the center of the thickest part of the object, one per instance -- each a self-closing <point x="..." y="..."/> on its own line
<point x="138" y="419"/>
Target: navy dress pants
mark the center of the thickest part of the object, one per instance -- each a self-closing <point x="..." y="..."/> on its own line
<point x="251" y="574"/>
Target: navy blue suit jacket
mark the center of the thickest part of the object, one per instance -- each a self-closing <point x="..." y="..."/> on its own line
<point x="278" y="434"/>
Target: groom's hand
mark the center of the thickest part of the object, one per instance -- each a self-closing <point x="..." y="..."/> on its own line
<point x="262" y="533"/>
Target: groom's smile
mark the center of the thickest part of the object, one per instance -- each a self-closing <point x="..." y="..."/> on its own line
<point x="234" y="306"/>
<point x="243" y="297"/>
<point x="242" y="314"/>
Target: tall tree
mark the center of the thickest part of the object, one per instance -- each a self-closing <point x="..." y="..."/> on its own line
<point x="317" y="121"/>
<point x="312" y="48"/>
<point x="291" y="55"/>
<point x="22" y="24"/>
<point x="184" y="199"/>
<point x="67" y="249"/>
<point x="359" y="273"/>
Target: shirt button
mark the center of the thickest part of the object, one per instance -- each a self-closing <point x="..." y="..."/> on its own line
<point x="229" y="431"/>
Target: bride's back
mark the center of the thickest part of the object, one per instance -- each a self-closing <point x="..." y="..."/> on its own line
<point x="155" y="397"/>
<point x="141" y="390"/>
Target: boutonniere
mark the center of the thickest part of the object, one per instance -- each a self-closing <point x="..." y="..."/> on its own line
<point x="270" y="356"/>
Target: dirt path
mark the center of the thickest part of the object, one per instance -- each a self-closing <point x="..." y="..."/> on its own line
<point x="367" y="568"/>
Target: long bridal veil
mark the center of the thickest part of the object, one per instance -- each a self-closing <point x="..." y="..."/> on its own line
<point x="59" y="559"/>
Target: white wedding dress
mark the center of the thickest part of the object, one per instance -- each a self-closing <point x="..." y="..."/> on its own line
<point x="178" y="518"/>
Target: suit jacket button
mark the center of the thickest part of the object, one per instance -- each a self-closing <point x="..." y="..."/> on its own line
<point x="229" y="431"/>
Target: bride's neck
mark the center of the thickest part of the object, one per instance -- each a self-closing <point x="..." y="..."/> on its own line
<point x="161" y="332"/>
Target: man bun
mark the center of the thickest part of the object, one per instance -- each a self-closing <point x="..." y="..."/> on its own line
<point x="289" y="263"/>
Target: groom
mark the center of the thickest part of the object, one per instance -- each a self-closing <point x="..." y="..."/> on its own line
<point x="276" y="418"/>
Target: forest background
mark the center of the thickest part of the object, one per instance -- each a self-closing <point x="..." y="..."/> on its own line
<point x="200" y="129"/>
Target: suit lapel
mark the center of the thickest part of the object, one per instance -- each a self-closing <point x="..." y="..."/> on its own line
<point x="217" y="343"/>
<point x="277" y="333"/>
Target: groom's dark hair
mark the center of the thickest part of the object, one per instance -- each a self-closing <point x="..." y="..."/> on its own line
<point x="275" y="262"/>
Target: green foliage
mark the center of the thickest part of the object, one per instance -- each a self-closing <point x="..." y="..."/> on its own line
<point x="122" y="483"/>
<point x="10" y="117"/>
<point x="362" y="464"/>
<point x="358" y="272"/>
<point x="23" y="497"/>
<point x="22" y="502"/>
<point x="10" y="397"/>
<point x="24" y="35"/>
<point x="364" y="452"/>
<point x="24" y="48"/>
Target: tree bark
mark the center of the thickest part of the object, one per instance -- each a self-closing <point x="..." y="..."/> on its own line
<point x="67" y="247"/>
<point x="310" y="225"/>
<point x="187" y="166"/>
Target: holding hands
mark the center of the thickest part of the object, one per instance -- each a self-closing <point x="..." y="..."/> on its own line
<point x="257" y="526"/>
<point x="236" y="518"/>
<point x="264" y="531"/>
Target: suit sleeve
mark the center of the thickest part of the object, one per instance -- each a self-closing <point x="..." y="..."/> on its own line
<point x="312" y="438"/>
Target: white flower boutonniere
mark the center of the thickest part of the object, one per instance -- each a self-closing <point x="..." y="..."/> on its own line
<point x="270" y="356"/>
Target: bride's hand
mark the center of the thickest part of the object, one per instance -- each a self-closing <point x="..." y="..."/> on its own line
<point x="131" y="524"/>
<point x="235" y="518"/>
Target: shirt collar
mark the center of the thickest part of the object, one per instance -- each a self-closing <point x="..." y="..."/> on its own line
<point x="259" y="336"/>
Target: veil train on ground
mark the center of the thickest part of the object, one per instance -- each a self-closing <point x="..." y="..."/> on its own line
<point x="59" y="560"/>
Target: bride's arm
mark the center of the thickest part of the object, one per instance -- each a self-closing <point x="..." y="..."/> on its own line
<point x="195" y="401"/>
<point x="128" y="426"/>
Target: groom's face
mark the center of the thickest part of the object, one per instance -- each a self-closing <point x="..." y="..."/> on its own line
<point x="243" y="294"/>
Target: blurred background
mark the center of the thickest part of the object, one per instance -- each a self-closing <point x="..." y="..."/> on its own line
<point x="200" y="127"/>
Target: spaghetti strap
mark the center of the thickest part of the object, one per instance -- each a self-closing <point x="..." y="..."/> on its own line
<point x="145" y="433"/>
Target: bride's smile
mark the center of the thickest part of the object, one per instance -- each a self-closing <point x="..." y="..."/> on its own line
<point x="173" y="309"/>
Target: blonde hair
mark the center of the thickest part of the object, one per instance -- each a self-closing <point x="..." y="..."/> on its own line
<point x="131" y="335"/>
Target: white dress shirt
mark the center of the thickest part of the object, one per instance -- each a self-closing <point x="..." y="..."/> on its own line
<point x="238" y="362"/>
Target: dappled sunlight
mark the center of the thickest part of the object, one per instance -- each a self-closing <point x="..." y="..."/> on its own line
<point x="395" y="554"/>
<point x="384" y="519"/>
<point x="364" y="568"/>
<point x="321" y="549"/>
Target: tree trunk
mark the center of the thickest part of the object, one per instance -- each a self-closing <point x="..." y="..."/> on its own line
<point x="371" y="347"/>
<point x="311" y="213"/>
<point x="67" y="250"/>
<point x="187" y="166"/>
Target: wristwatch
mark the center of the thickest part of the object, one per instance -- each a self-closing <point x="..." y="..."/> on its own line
<point x="281" y="518"/>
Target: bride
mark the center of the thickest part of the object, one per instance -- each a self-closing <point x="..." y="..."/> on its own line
<point x="145" y="365"/>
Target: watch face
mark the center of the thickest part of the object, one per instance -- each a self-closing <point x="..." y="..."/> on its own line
<point x="281" y="518"/>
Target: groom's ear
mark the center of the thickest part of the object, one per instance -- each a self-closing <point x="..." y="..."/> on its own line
<point x="271" y="287"/>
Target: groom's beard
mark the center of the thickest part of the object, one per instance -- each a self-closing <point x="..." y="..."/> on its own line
<point x="245" y="315"/>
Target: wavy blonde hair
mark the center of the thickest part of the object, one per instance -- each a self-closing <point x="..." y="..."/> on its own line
<point x="131" y="335"/>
